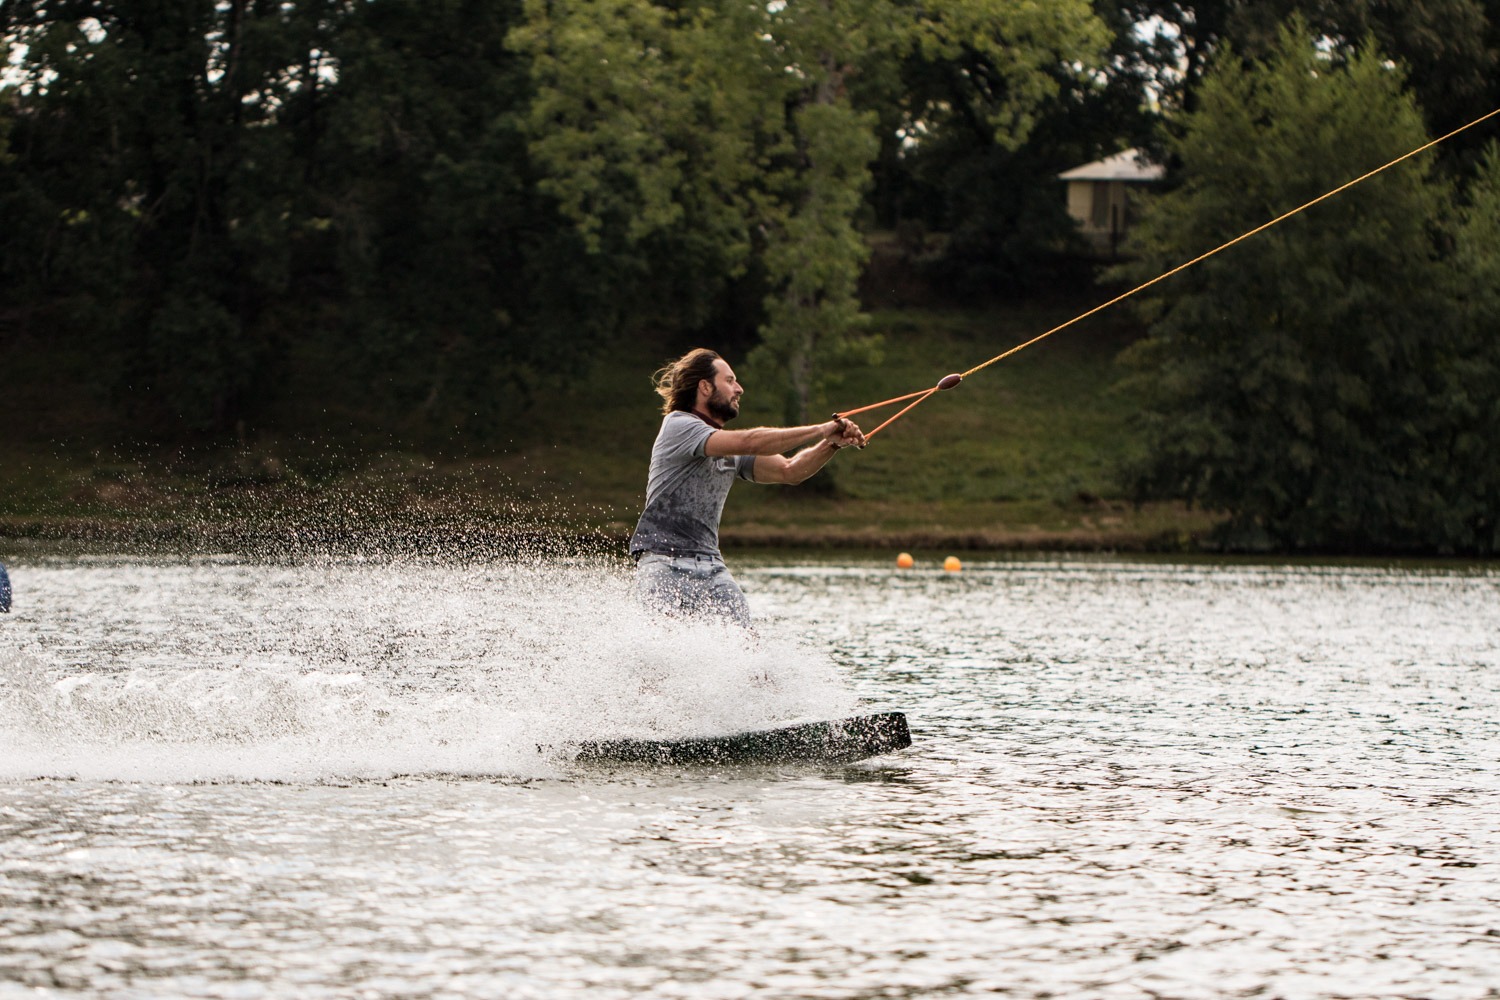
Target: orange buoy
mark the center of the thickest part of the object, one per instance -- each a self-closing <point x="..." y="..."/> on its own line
<point x="905" y="561"/>
<point x="952" y="565"/>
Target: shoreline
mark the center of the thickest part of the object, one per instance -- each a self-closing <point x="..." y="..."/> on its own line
<point x="189" y="536"/>
<point x="391" y="537"/>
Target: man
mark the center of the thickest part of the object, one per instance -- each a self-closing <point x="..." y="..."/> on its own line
<point x="679" y="568"/>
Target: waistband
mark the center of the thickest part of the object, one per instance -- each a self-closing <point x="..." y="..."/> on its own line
<point x="694" y="556"/>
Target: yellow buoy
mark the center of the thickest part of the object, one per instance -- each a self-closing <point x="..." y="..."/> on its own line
<point x="905" y="561"/>
<point x="952" y="565"/>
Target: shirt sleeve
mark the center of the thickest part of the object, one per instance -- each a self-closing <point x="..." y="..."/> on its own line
<point x="684" y="436"/>
<point x="746" y="469"/>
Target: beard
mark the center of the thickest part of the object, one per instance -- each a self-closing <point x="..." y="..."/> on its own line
<point x="722" y="408"/>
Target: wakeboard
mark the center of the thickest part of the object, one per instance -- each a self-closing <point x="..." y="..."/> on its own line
<point x="838" y="741"/>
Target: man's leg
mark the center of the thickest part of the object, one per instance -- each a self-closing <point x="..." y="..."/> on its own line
<point x="688" y="585"/>
<point x="658" y="584"/>
<point x="723" y="596"/>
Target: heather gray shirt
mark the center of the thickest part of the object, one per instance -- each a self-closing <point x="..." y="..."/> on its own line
<point x="685" y="490"/>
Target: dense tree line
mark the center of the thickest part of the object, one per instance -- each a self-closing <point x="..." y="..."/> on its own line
<point x="448" y="203"/>
<point x="438" y="209"/>
<point x="1335" y="382"/>
<point x="214" y="197"/>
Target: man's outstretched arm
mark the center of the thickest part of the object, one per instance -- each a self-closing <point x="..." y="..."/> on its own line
<point x="768" y="441"/>
<point x="790" y="471"/>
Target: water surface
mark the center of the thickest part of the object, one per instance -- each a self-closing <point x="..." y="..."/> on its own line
<point x="349" y="777"/>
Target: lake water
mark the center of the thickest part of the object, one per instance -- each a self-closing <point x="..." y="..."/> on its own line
<point x="347" y="777"/>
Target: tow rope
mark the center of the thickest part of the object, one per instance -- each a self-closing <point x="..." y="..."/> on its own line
<point x="949" y="381"/>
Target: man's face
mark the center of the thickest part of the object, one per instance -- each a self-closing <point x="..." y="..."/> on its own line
<point x="724" y="400"/>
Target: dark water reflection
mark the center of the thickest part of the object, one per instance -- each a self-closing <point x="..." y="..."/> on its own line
<point x="1129" y="780"/>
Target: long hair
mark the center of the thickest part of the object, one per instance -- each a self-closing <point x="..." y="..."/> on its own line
<point x="677" y="381"/>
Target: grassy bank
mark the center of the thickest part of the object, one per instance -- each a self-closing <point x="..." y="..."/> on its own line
<point x="1022" y="455"/>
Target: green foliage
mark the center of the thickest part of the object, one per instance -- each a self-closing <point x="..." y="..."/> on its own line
<point x="650" y="128"/>
<point x="427" y="217"/>
<point x="1303" y="381"/>
<point x="719" y="139"/>
<point x="1000" y="59"/>
<point x="152" y="192"/>
<point x="845" y="53"/>
<point x="446" y="206"/>
<point x="195" y="348"/>
<point x="459" y="293"/>
<point x="701" y="138"/>
<point x="993" y="101"/>
<point x="637" y="122"/>
<point x="1443" y="44"/>
<point x="213" y="196"/>
<point x="1474" y="389"/>
<point x="1477" y="244"/>
<point x="813" y="263"/>
<point x="814" y="251"/>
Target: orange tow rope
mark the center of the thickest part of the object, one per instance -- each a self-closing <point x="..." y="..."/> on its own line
<point x="949" y="381"/>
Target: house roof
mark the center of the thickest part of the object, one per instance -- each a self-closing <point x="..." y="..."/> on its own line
<point x="1131" y="165"/>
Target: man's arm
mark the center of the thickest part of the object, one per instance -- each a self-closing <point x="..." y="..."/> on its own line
<point x="767" y="441"/>
<point x="790" y="471"/>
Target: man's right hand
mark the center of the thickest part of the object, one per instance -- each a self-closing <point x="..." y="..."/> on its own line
<point x="843" y="432"/>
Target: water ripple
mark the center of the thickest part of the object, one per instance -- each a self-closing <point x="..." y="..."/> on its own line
<point x="1130" y="780"/>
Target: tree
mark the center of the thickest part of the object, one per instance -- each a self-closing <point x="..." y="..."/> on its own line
<point x="708" y="140"/>
<point x="1447" y="46"/>
<point x="154" y="211"/>
<point x="213" y="198"/>
<point x="1473" y="461"/>
<point x="444" y="206"/>
<point x="1302" y="381"/>
<point x="737" y="138"/>
<point x="650" y="128"/>
<point x="815" y="252"/>
<point x="991" y="185"/>
<point x="454" y="293"/>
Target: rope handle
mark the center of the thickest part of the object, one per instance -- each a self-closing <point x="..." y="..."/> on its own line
<point x="946" y="382"/>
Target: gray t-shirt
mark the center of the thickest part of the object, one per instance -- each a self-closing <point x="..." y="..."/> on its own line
<point x="685" y="490"/>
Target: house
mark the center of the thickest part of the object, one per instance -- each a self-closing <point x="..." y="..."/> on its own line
<point x="1099" y="196"/>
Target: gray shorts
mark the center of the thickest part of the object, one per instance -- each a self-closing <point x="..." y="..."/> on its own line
<point x="690" y="585"/>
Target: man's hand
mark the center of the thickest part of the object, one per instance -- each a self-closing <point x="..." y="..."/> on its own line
<point x="841" y="432"/>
